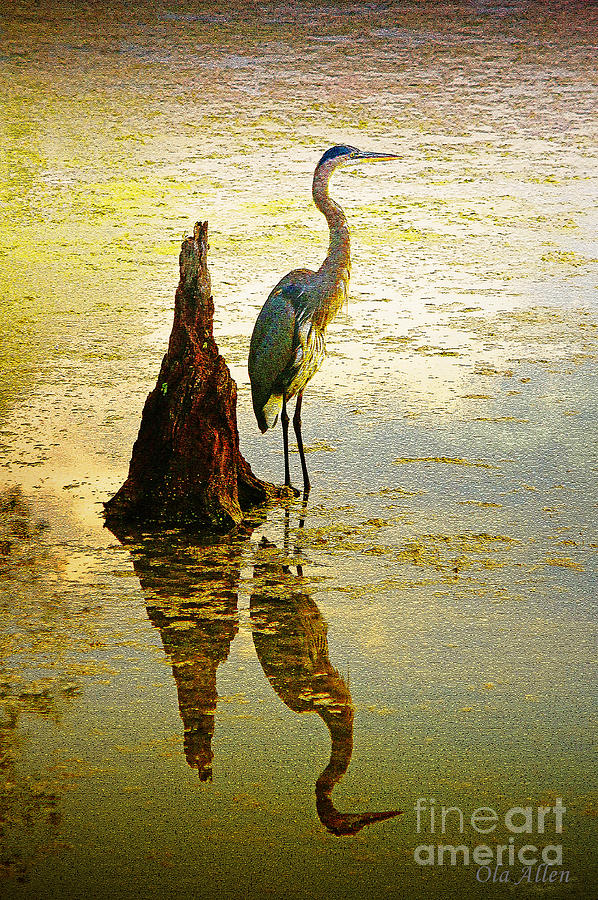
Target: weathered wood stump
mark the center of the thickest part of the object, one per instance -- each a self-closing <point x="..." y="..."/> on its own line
<point x="186" y="467"/>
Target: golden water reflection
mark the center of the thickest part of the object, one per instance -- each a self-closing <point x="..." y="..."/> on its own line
<point x="191" y="586"/>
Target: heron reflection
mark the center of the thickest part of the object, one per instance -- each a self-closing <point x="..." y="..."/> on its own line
<point x="290" y="638"/>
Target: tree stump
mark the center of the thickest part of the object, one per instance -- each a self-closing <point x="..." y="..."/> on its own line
<point x="186" y="467"/>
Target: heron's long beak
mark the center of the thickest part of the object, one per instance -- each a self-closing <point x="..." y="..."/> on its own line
<point x="373" y="156"/>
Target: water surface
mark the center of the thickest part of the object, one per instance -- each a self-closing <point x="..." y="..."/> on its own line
<point x="424" y="627"/>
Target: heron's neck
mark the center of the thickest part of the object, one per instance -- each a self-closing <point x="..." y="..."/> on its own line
<point x="336" y="268"/>
<point x="340" y="725"/>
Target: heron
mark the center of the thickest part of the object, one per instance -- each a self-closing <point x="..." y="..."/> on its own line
<point x="287" y="345"/>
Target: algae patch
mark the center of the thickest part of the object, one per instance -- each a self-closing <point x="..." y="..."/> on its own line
<point x="445" y="460"/>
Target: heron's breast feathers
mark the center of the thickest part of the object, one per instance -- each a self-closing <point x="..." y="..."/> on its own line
<point x="310" y="351"/>
<point x="287" y="345"/>
<point x="272" y="349"/>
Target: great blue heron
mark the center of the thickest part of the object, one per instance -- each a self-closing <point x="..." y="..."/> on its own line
<point x="287" y="345"/>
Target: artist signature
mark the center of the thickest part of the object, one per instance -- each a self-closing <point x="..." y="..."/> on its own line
<point x="529" y="875"/>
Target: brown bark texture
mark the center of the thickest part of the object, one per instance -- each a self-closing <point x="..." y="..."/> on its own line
<point x="186" y="467"/>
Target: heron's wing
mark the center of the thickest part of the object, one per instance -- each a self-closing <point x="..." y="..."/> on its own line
<point x="272" y="342"/>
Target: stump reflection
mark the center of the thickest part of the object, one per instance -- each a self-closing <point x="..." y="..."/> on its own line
<point x="191" y="589"/>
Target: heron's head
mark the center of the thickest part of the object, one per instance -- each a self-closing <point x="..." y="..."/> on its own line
<point x="344" y="153"/>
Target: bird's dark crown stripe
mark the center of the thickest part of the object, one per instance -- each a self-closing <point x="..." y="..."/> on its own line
<point x="339" y="150"/>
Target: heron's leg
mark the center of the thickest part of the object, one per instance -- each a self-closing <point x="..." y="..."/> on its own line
<point x="297" y="427"/>
<point x="284" y="421"/>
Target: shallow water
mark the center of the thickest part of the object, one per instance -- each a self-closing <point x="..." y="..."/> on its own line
<point x="430" y="613"/>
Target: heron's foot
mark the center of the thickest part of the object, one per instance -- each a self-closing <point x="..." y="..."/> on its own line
<point x="290" y="492"/>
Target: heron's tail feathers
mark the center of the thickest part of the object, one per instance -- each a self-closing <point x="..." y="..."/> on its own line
<point x="267" y="416"/>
